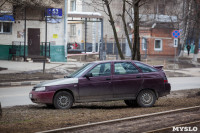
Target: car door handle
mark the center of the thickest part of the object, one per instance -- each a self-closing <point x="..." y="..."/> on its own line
<point x="108" y="78"/>
<point x="138" y="76"/>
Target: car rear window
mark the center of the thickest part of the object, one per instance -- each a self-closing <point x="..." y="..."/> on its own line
<point x="125" y="68"/>
<point x="145" y="68"/>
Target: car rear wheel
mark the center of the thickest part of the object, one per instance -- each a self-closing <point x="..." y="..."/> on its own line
<point x="63" y="100"/>
<point x="146" y="98"/>
<point x="131" y="103"/>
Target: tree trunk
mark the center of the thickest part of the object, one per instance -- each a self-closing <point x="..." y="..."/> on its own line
<point x="125" y="29"/>
<point x="0" y="110"/>
<point x="186" y="24"/>
<point x="136" y="48"/>
<point x="197" y="28"/>
<point x="196" y="42"/>
<point x="114" y="29"/>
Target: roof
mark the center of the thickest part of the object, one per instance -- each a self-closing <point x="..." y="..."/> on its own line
<point x="85" y="15"/>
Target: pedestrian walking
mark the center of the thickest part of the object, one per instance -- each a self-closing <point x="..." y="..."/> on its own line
<point x="188" y="49"/>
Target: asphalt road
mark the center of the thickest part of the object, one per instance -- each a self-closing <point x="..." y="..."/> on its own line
<point x="182" y="83"/>
<point x="11" y="96"/>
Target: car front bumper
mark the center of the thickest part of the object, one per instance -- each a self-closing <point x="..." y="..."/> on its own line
<point x="42" y="97"/>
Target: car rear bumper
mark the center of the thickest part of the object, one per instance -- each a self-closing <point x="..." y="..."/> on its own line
<point x="166" y="91"/>
<point x="41" y="97"/>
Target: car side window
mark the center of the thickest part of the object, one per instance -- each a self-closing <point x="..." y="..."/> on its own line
<point x="125" y="68"/>
<point x="145" y="68"/>
<point x="103" y="69"/>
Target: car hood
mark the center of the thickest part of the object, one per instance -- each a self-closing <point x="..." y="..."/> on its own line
<point x="58" y="82"/>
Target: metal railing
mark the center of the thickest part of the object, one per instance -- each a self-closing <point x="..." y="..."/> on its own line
<point x="18" y="48"/>
<point x="45" y="49"/>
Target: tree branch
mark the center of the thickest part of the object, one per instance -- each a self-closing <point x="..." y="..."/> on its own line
<point x="3" y="3"/>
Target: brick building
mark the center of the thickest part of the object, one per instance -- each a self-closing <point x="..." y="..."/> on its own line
<point x="157" y="42"/>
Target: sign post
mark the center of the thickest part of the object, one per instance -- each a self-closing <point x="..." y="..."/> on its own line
<point x="175" y="35"/>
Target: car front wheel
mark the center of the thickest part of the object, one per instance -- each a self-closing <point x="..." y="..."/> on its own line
<point x="63" y="100"/>
<point x="146" y="98"/>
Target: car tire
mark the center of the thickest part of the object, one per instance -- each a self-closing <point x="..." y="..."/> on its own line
<point x="131" y="103"/>
<point x="49" y="105"/>
<point x="146" y="98"/>
<point x="63" y="100"/>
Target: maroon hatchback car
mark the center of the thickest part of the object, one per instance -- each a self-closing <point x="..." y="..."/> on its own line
<point x="132" y="81"/>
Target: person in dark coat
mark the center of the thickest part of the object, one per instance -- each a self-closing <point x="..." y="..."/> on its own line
<point x="188" y="49"/>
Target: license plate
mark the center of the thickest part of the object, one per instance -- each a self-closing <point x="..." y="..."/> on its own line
<point x="30" y="95"/>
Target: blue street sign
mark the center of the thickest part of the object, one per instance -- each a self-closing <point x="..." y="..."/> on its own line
<point x="54" y="12"/>
<point x="176" y="34"/>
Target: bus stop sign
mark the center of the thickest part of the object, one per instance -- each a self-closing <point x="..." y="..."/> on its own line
<point x="176" y="34"/>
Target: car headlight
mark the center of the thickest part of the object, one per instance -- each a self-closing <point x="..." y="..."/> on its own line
<point x="40" y="88"/>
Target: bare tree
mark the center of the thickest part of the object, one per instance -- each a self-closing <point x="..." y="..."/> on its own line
<point x="188" y="19"/>
<point x="185" y="23"/>
<point x="112" y="22"/>
<point x="29" y="3"/>
<point x="136" y="29"/>
<point x="135" y="47"/>
<point x="104" y="6"/>
<point x="125" y="28"/>
<point x="197" y="28"/>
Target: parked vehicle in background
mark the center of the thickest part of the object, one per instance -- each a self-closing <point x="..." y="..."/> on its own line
<point x="132" y="81"/>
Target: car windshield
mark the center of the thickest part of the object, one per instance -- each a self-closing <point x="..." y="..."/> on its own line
<point x="80" y="71"/>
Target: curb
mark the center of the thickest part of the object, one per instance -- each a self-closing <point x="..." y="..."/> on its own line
<point x="20" y="83"/>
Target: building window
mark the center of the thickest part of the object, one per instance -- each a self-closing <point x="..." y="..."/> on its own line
<point x="160" y="7"/>
<point x="144" y="44"/>
<point x="158" y="45"/>
<point x="73" y="30"/>
<point x="5" y="27"/>
<point x="73" y="5"/>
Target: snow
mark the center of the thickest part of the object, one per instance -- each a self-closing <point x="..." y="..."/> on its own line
<point x="85" y="13"/>
<point x="158" y="18"/>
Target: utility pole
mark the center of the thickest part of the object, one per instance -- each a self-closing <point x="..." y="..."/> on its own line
<point x="65" y="28"/>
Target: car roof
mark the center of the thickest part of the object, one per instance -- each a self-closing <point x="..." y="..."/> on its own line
<point x="107" y="61"/>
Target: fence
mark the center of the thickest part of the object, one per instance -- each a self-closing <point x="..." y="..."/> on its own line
<point x="111" y="47"/>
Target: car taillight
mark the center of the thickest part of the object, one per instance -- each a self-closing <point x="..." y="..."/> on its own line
<point x="165" y="79"/>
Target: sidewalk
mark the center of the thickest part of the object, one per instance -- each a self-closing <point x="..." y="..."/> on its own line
<point x="31" y="73"/>
<point x="17" y="67"/>
<point x="27" y="69"/>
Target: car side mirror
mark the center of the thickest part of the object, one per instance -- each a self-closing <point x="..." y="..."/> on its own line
<point x="88" y="75"/>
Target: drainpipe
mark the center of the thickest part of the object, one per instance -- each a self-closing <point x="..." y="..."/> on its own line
<point x="94" y="36"/>
<point x="99" y="37"/>
<point x="25" y="34"/>
<point x="85" y="37"/>
<point x="65" y="28"/>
